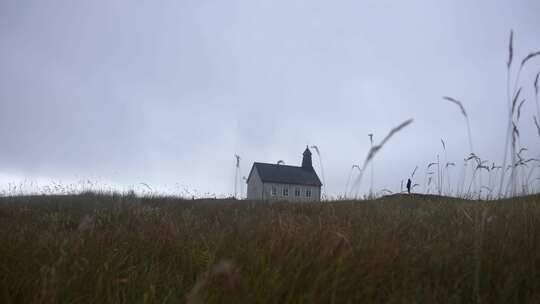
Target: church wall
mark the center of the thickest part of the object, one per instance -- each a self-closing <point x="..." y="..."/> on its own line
<point x="267" y="189"/>
<point x="255" y="187"/>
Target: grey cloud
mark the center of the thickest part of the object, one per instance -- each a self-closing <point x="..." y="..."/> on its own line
<point x="168" y="92"/>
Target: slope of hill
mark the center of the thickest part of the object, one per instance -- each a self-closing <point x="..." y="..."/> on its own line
<point x="402" y="249"/>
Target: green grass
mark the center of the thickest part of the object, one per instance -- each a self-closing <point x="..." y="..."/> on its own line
<point x="400" y="249"/>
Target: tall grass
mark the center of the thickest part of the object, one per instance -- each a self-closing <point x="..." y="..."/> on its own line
<point x="535" y="118"/>
<point x="372" y="175"/>
<point x="402" y="249"/>
<point x="512" y="133"/>
<point x="471" y="146"/>
<point x="373" y="151"/>
<point x="349" y="179"/>
<point x="517" y="167"/>
<point x="464" y="113"/>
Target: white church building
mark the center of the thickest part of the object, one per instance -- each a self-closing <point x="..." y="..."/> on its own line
<point x="282" y="182"/>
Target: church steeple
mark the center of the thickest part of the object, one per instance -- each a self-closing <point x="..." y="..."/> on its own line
<point x="306" y="159"/>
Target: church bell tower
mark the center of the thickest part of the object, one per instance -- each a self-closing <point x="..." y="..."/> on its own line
<point x="306" y="159"/>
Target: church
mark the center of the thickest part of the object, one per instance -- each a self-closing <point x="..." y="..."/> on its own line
<point x="282" y="182"/>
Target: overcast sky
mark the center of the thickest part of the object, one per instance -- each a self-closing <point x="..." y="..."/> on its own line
<point x="166" y="92"/>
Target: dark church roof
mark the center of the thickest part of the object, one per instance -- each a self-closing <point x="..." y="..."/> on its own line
<point x="283" y="174"/>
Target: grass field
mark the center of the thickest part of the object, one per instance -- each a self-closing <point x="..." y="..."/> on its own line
<point x="95" y="248"/>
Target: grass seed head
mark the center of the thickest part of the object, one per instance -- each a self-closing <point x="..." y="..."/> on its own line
<point x="414" y="171"/>
<point x="529" y="57"/>
<point x="458" y="103"/>
<point x="519" y="108"/>
<point x="510" y="49"/>
<point x="537" y="125"/>
<point x="376" y="148"/>
<point x="536" y="83"/>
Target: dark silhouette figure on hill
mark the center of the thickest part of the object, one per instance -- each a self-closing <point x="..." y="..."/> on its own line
<point x="409" y="186"/>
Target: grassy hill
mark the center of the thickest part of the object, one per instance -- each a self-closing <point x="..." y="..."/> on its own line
<point x="399" y="249"/>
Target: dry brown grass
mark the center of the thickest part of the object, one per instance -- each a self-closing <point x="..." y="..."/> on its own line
<point x="397" y="249"/>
